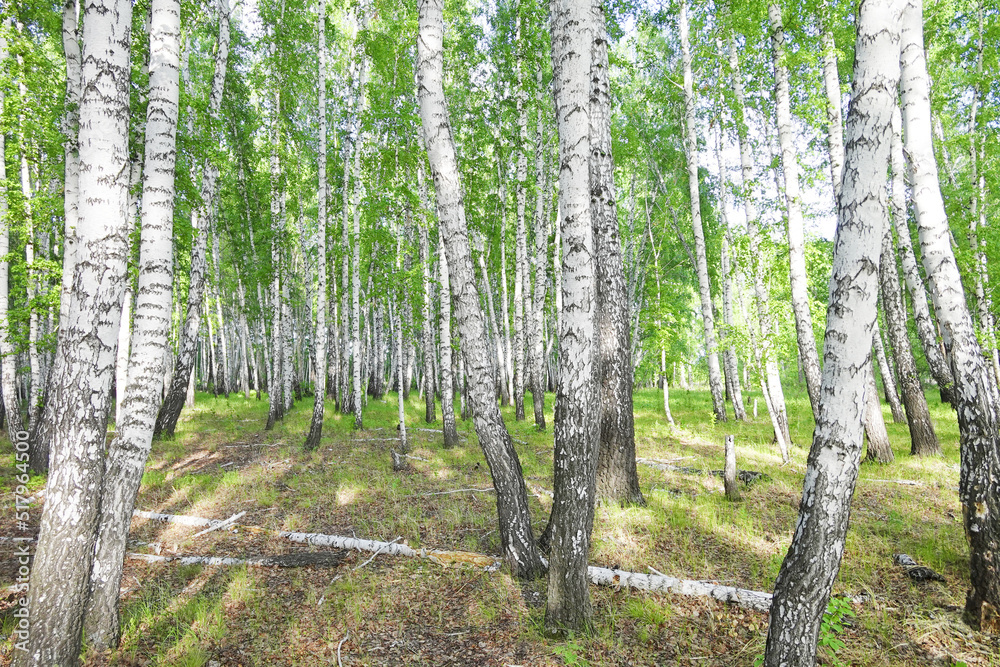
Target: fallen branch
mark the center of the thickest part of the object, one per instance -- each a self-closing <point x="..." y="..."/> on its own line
<point x="907" y="482"/>
<point x="444" y="493"/>
<point x="325" y="559"/>
<point x="258" y="444"/>
<point x="376" y="554"/>
<point x="598" y="575"/>
<point x="222" y="524"/>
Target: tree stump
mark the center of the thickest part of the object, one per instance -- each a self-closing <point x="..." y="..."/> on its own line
<point x="729" y="474"/>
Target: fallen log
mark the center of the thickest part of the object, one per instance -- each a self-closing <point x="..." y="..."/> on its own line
<point x="322" y="559"/>
<point x="600" y="576"/>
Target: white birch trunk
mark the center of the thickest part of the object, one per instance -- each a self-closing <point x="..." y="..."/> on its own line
<point x="701" y="260"/>
<point x="793" y="207"/>
<point x="568" y="607"/>
<point x="450" y="431"/>
<point x="926" y="328"/>
<point x="979" y="482"/>
<point x="813" y="560"/>
<point x="201" y="224"/>
<point x="319" y="385"/>
<point x="149" y="345"/>
<point x="8" y="360"/>
<point x="80" y="400"/>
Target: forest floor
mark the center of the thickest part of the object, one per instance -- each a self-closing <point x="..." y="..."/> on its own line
<point x="397" y="610"/>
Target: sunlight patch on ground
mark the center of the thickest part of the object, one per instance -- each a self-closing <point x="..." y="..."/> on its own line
<point x="347" y="494"/>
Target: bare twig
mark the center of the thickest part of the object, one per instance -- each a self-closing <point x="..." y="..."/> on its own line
<point x="222" y="524"/>
<point x="341" y="643"/>
<point x="380" y="550"/>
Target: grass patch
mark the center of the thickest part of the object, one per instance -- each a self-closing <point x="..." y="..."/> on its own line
<point x="400" y="611"/>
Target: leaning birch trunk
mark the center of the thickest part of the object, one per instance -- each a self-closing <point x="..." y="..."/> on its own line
<point x="150" y="337"/>
<point x="8" y="372"/>
<point x="539" y="263"/>
<point x="715" y="382"/>
<point x="617" y="479"/>
<point x="926" y="330"/>
<point x="517" y="541"/>
<point x="770" y="377"/>
<point x="879" y="447"/>
<point x="170" y="411"/>
<point x="577" y="434"/>
<point x="979" y="483"/>
<point x="807" y="573"/>
<point x="319" y="386"/>
<point x="80" y="400"/>
<point x="923" y="440"/>
<point x="796" y="234"/>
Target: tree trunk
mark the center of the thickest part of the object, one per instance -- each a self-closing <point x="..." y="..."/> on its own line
<point x="522" y="280"/>
<point x="8" y="359"/>
<point x="813" y="560"/>
<point x="885" y="370"/>
<point x="926" y="329"/>
<point x="319" y="386"/>
<point x="450" y="431"/>
<point x="879" y="447"/>
<point x="508" y="369"/>
<point x="150" y="338"/>
<point x="430" y="414"/>
<point x="516" y="539"/>
<point x="666" y="386"/>
<point x="398" y="325"/>
<point x="617" y="478"/>
<point x="80" y="400"/>
<point x="923" y="440"/>
<point x="715" y="382"/>
<point x="774" y="394"/>
<point x="539" y="262"/>
<point x="979" y="483"/>
<point x="577" y="427"/>
<point x="796" y="231"/>
<point x="170" y="411"/>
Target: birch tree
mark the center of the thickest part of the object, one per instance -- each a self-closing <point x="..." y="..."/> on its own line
<point x="617" y="478"/>
<point x="979" y="481"/>
<point x="201" y="223"/>
<point x="701" y="262"/>
<point x="149" y="346"/>
<point x="8" y="372"/>
<point x="807" y="573"/>
<point x="576" y="428"/>
<point x="793" y="209"/>
<point x="319" y="386"/>
<point x="516" y="537"/>
<point x="81" y="399"/>
<point x="770" y="382"/>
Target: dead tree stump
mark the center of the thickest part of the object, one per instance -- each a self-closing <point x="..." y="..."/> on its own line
<point x="729" y="474"/>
